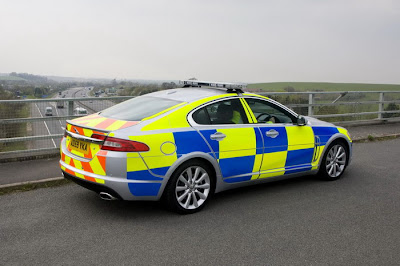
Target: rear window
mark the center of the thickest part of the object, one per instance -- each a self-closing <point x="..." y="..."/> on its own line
<point x="138" y="108"/>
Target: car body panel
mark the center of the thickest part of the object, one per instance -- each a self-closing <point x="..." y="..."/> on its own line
<point x="246" y="155"/>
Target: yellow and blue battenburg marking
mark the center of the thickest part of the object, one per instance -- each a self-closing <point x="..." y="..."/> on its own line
<point x="244" y="155"/>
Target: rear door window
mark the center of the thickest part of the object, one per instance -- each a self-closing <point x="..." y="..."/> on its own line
<point x="220" y="113"/>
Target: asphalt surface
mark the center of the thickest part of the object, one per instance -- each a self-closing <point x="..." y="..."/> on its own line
<point x="33" y="170"/>
<point x="302" y="221"/>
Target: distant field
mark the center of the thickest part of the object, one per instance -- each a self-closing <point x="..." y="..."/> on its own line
<point x="324" y="86"/>
<point x="10" y="78"/>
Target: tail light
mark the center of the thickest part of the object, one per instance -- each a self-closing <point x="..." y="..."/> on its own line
<point x="116" y="144"/>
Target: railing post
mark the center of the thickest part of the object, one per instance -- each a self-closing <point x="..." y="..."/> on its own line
<point x="70" y="107"/>
<point x="381" y="104"/>
<point x="310" y="102"/>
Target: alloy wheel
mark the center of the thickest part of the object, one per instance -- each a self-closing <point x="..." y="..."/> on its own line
<point x="336" y="161"/>
<point x="192" y="187"/>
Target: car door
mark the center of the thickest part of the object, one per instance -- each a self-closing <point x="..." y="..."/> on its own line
<point x="287" y="147"/>
<point x="225" y="126"/>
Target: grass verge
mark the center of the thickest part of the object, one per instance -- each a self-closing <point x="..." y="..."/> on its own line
<point x="371" y="138"/>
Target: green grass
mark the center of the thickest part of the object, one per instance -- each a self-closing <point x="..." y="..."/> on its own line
<point x="17" y="130"/>
<point x="323" y="86"/>
<point x="11" y="78"/>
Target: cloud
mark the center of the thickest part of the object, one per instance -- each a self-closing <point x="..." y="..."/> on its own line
<point x="251" y="41"/>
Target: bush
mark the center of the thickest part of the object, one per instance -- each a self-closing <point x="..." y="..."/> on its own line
<point x="391" y="107"/>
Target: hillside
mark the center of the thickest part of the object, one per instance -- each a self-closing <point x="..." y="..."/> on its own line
<point x="323" y="86"/>
<point x="11" y="78"/>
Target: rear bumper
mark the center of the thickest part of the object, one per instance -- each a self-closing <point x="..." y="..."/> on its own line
<point x="118" y="187"/>
<point x="91" y="185"/>
<point x="112" y="174"/>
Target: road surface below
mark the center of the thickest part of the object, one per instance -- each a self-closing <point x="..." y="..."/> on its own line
<point x="302" y="221"/>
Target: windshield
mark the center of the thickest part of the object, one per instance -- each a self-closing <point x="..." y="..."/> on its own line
<point x="138" y="108"/>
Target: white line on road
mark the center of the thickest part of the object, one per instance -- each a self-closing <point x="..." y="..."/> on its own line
<point x="55" y="107"/>
<point x="55" y="146"/>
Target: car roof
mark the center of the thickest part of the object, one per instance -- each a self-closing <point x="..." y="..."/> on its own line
<point x="188" y="94"/>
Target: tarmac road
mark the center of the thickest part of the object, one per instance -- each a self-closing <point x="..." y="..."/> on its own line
<point x="55" y="126"/>
<point x="302" y="221"/>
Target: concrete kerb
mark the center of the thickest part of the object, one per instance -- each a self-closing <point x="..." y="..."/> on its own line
<point x="373" y="138"/>
<point x="31" y="185"/>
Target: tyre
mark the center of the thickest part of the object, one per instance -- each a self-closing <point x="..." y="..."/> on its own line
<point x="334" y="161"/>
<point x="189" y="188"/>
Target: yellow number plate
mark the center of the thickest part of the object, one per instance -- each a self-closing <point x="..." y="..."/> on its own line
<point x="80" y="146"/>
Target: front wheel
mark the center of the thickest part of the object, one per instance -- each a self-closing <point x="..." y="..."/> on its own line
<point x="334" y="161"/>
<point x="189" y="188"/>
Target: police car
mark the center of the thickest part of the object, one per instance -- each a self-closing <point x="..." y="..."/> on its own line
<point x="183" y="145"/>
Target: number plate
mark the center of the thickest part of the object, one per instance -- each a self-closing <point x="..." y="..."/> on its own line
<point x="80" y="146"/>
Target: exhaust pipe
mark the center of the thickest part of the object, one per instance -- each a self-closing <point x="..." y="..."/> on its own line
<point x="106" y="196"/>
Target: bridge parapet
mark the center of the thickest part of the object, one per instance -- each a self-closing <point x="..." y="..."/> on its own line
<point x="34" y="127"/>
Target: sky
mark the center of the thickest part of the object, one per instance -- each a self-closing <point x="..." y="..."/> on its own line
<point x="220" y="40"/>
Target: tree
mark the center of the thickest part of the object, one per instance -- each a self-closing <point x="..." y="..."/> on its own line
<point x="391" y="107"/>
<point x="289" y="89"/>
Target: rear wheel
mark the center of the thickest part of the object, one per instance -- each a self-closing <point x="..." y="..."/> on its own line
<point x="189" y="187"/>
<point x="334" y="161"/>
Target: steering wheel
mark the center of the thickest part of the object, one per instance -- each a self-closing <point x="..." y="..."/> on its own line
<point x="267" y="118"/>
<point x="264" y="120"/>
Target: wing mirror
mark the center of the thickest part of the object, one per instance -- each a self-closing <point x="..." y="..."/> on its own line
<point x="301" y="121"/>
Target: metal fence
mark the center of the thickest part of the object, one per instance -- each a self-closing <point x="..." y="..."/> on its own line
<point x="345" y="107"/>
<point x="35" y="127"/>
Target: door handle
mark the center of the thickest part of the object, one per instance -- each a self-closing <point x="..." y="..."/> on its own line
<point x="272" y="133"/>
<point x="217" y="136"/>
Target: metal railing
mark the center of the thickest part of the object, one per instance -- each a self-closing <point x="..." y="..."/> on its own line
<point x="354" y="106"/>
<point x="28" y="129"/>
<point x="35" y="126"/>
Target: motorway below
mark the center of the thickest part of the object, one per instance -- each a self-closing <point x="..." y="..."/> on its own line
<point x="302" y="221"/>
<point x="56" y="126"/>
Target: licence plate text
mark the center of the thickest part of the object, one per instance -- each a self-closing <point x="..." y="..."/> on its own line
<point x="80" y="146"/>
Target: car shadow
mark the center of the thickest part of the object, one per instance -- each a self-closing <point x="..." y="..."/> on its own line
<point x="223" y="200"/>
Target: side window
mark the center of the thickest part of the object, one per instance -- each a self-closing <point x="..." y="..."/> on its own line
<point x="266" y="112"/>
<point x="201" y="117"/>
<point x="223" y="112"/>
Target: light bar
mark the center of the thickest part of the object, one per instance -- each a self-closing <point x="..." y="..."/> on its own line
<point x="225" y="85"/>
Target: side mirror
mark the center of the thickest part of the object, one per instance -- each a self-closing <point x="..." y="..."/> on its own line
<point x="301" y="121"/>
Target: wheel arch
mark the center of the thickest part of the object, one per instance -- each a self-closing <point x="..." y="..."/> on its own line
<point x="337" y="137"/>
<point x="203" y="157"/>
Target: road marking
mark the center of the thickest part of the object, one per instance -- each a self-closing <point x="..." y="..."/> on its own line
<point x="55" y="146"/>
<point x="57" y="114"/>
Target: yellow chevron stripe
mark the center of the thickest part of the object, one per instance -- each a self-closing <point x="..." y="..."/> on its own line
<point x="96" y="166"/>
<point x="116" y="125"/>
<point x="98" y="180"/>
<point x="96" y="121"/>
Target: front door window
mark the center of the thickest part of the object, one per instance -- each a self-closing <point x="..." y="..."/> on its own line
<point x="288" y="148"/>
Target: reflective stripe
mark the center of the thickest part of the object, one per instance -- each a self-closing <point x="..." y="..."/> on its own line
<point x="247" y="109"/>
<point x="164" y="111"/>
<point x="102" y="123"/>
